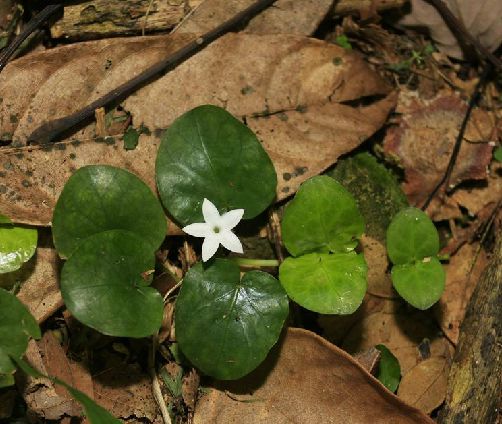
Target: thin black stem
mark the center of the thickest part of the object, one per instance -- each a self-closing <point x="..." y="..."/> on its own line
<point x="458" y="142"/>
<point x="31" y="26"/>
<point x="53" y="129"/>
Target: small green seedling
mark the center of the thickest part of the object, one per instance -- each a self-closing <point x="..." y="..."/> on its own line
<point x="389" y="370"/>
<point x="320" y="228"/>
<point x="413" y="246"/>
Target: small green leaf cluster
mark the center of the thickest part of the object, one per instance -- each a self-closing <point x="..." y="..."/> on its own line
<point x="320" y="228"/>
<point x="413" y="246"/>
<point x="108" y="224"/>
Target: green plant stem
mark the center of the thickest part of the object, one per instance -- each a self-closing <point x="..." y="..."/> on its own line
<point x="256" y="262"/>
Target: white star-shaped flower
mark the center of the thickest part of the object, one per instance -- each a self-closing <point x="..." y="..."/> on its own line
<point x="216" y="230"/>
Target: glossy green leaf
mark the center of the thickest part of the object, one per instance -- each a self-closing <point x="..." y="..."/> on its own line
<point x="99" y="198"/>
<point x="389" y="372"/>
<point x="411" y="236"/>
<point x="104" y="286"/>
<point x="323" y="217"/>
<point x="17" y="325"/>
<point x="226" y="325"/>
<point x="325" y="283"/>
<point x="93" y="412"/>
<point x="421" y="284"/>
<point x="207" y="153"/>
<point x="17" y="245"/>
<point x="497" y="154"/>
<point x="377" y="192"/>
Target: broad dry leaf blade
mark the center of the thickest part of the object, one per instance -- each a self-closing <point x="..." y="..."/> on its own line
<point x="305" y="381"/>
<point x="289" y="89"/>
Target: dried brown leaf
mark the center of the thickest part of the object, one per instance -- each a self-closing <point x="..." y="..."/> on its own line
<point x="289" y="89"/>
<point x="482" y="18"/>
<point x="400" y="330"/>
<point x="424" y="386"/>
<point x="305" y="380"/>
<point x="125" y="391"/>
<point x="301" y="17"/>
<point x="423" y="142"/>
<point x="375" y="255"/>
<point x="462" y="275"/>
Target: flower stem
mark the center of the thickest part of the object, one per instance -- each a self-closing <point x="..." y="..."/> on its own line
<point x="256" y="262"/>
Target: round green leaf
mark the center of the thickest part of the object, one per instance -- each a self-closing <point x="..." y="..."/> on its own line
<point x="421" y="284"/>
<point x="17" y="246"/>
<point x="325" y="283"/>
<point x="17" y="325"/>
<point x="224" y="325"/>
<point x="411" y="236"/>
<point x="389" y="372"/>
<point x="323" y="217"/>
<point x="99" y="198"/>
<point x="207" y="153"/>
<point x="104" y="287"/>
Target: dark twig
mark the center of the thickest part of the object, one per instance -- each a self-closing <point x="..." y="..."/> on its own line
<point x="53" y="129"/>
<point x="31" y="26"/>
<point x="461" y="32"/>
<point x="458" y="142"/>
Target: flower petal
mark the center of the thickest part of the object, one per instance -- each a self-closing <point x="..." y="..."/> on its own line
<point x="230" y="241"/>
<point x="199" y="229"/>
<point x="210" y="212"/>
<point x="209" y="247"/>
<point x="231" y="218"/>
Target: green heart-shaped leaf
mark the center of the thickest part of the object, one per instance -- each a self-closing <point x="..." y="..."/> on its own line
<point x="224" y="325"/>
<point x="99" y="198"/>
<point x="421" y="284"/>
<point x="104" y="286"/>
<point x="411" y="237"/>
<point x="17" y="325"/>
<point x="323" y="217"/>
<point x="207" y="153"/>
<point x="6" y="380"/>
<point x="389" y="372"/>
<point x="17" y="246"/>
<point x="325" y="283"/>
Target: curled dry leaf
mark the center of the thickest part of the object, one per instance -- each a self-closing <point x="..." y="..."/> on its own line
<point x="424" y="386"/>
<point x="462" y="275"/>
<point x="423" y="142"/>
<point x="305" y="380"/>
<point x="290" y="90"/>
<point x="481" y="18"/>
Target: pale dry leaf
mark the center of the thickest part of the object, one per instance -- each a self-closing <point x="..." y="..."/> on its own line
<point x="482" y="18"/>
<point x="422" y="145"/>
<point x="305" y="380"/>
<point x="40" y="289"/>
<point x="301" y="17"/>
<point x="460" y="284"/>
<point x="400" y="330"/>
<point x="424" y="386"/>
<point x="291" y="91"/>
